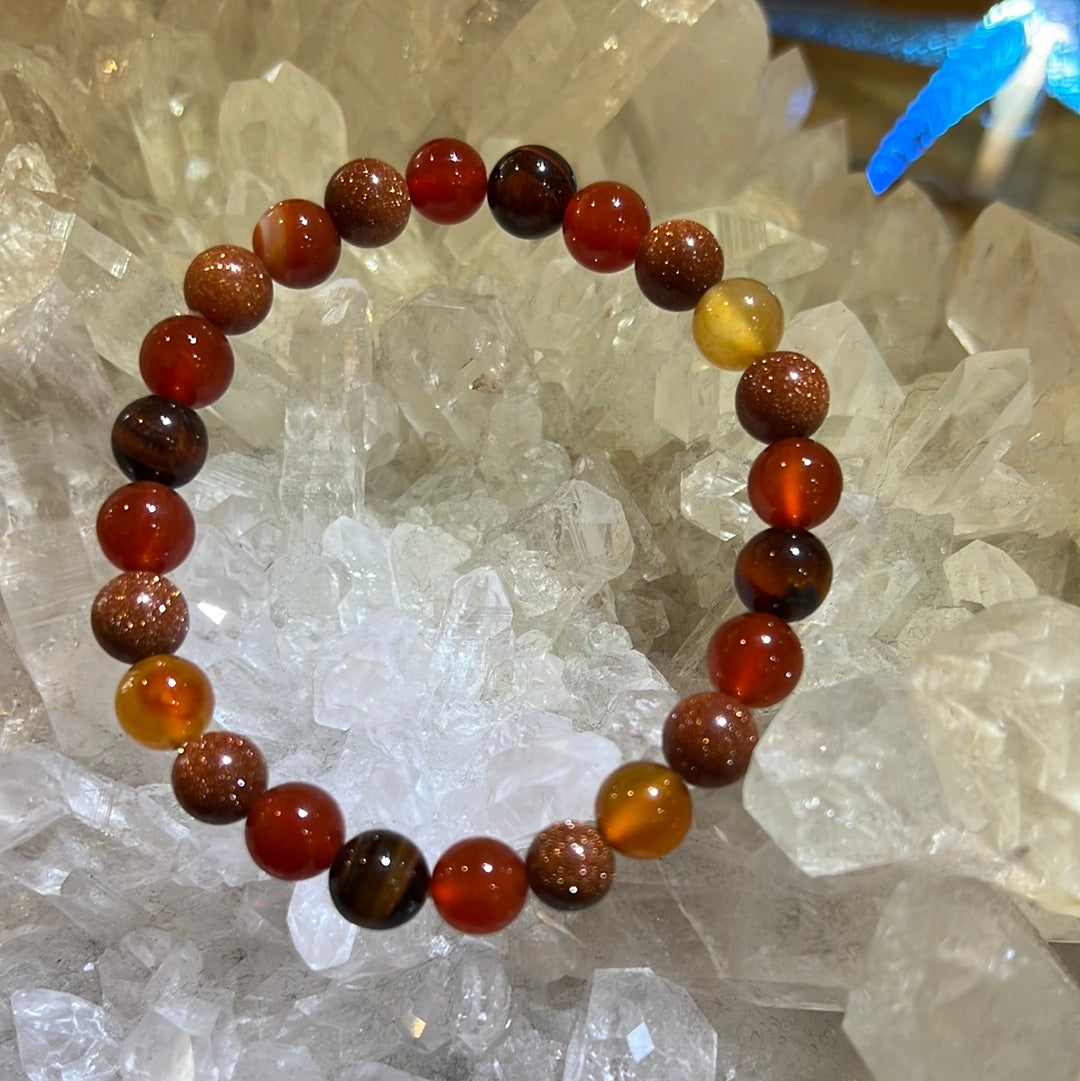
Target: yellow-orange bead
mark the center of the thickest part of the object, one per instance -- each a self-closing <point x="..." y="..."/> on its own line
<point x="163" y="701"/>
<point x="736" y="322"/>
<point x="643" y="810"/>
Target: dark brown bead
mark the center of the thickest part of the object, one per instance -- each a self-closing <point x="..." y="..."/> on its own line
<point x="529" y="189"/>
<point x="677" y="263"/>
<point x="783" y="572"/>
<point x="154" y="438"/>
<point x="570" y="865"/>
<point x="782" y="395"/>
<point x="379" y="880"/>
<point x="368" y="202"/>
<point x="230" y="287"/>
<point x="217" y="777"/>
<point x="708" y="739"/>
<point x="139" y="614"/>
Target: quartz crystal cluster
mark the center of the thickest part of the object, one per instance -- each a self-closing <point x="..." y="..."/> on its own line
<point x="468" y="521"/>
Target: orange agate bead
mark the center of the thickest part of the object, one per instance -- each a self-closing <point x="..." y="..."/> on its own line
<point x="163" y="701"/>
<point x="643" y="810"/>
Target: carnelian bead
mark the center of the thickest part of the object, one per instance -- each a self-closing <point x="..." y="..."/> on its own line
<point x="604" y="226"/>
<point x="164" y="701"/>
<point x="782" y="395"/>
<point x="643" y="810"/>
<point x="447" y="181"/>
<point x="297" y="243"/>
<point x="294" y="830"/>
<point x="529" y="190"/>
<point x="708" y="739"/>
<point x="755" y="658"/>
<point x="479" y="885"/>
<point x="795" y="484"/>
<point x="145" y="527"/>
<point x="784" y="572"/>
<point x="188" y="359"/>
<point x="737" y="321"/>
<point x="230" y="287"/>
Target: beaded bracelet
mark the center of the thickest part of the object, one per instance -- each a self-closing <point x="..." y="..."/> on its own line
<point x="380" y="879"/>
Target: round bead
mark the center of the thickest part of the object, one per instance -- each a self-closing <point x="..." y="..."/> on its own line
<point x="294" y="830"/>
<point x="164" y="701"/>
<point x="676" y="263"/>
<point x="479" y="885"/>
<point x="145" y="527"/>
<point x="570" y="865"/>
<point x="755" y="658"/>
<point x="297" y="243"/>
<point x="447" y="181"/>
<point x="782" y="395"/>
<point x="188" y="359"/>
<point x="784" y="572"/>
<point x="368" y="202"/>
<point x="139" y="614"/>
<point x="379" y="880"/>
<point x="604" y="226"/>
<point x="155" y="438"/>
<point x="736" y="322"/>
<point x="643" y="810"/>
<point x="708" y="739"/>
<point x="230" y="287"/>
<point x="529" y="190"/>
<point x="795" y="484"/>
<point x="217" y="777"/>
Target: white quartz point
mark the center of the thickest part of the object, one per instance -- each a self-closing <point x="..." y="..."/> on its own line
<point x="981" y="574"/>
<point x="63" y="1036"/>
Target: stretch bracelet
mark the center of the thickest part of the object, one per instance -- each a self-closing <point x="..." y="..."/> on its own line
<point x="378" y="878"/>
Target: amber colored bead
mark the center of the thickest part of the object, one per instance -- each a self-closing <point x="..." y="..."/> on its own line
<point x="708" y="739"/>
<point x="164" y="701"/>
<point x="145" y="526"/>
<point x="230" y="287"/>
<point x="604" y="225"/>
<point x="795" y="484"/>
<point x="379" y="880"/>
<point x="755" y="658"/>
<point x="570" y="865"/>
<point x="447" y="181"/>
<point x="218" y="777"/>
<point x="529" y="190"/>
<point x="368" y="202"/>
<point x="155" y="438"/>
<point x="784" y="572"/>
<point x="736" y="322"/>
<point x="479" y="885"/>
<point x="139" y="614"/>
<point x="781" y="396"/>
<point x="643" y="810"/>
<point x="677" y="262"/>
<point x="294" y="830"/>
<point x="297" y="243"/>
<point x="187" y="359"/>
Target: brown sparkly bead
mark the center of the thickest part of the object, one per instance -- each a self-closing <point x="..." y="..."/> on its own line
<point x="708" y="739"/>
<point x="368" y="202"/>
<point x="229" y="287"/>
<point x="139" y="614"/>
<point x="155" y="438"/>
<point x="217" y="777"/>
<point x="782" y="395"/>
<point x="677" y="263"/>
<point x="569" y="865"/>
<point x="297" y="242"/>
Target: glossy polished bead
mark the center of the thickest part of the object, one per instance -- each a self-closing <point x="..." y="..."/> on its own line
<point x="783" y="572"/>
<point x="795" y="484"/>
<point x="139" y="614"/>
<point x="230" y="287"/>
<point x="736" y="322"/>
<point x="155" y="438"/>
<point x="164" y="701"/>
<point x="677" y="262"/>
<point x="570" y="865"/>
<point x="755" y="658"/>
<point x="187" y="359"/>
<point x="604" y="225"/>
<point x="479" y="885"/>
<point x="379" y="880"/>
<point x="528" y="191"/>
<point x="368" y="202"/>
<point x="447" y="181"/>
<point x="297" y="243"/>
<point x="294" y="830"/>
<point x="643" y="810"/>
<point x="217" y="777"/>
<point x="145" y="526"/>
<point x="708" y="739"/>
<point x="780" y="396"/>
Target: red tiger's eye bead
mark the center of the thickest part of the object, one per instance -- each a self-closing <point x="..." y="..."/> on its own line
<point x="795" y="484"/>
<point x="188" y="359"/>
<point x="785" y="572"/>
<point x="604" y="226"/>
<point x="447" y="181"/>
<point x="145" y="527"/>
<point x="155" y="438"/>
<point x="529" y="190"/>
<point x="379" y="880"/>
<point x="297" y="243"/>
<point x="479" y="885"/>
<point x="294" y="830"/>
<point x="755" y="658"/>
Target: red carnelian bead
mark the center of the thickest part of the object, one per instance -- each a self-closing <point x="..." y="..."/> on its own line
<point x="604" y="226"/>
<point x="795" y="484"/>
<point x="755" y="658"/>
<point x="294" y="830"/>
<point x="186" y="358"/>
<point x="297" y="243"/>
<point x="145" y="527"/>
<point x="479" y="885"/>
<point x="447" y="181"/>
<point x="785" y="572"/>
